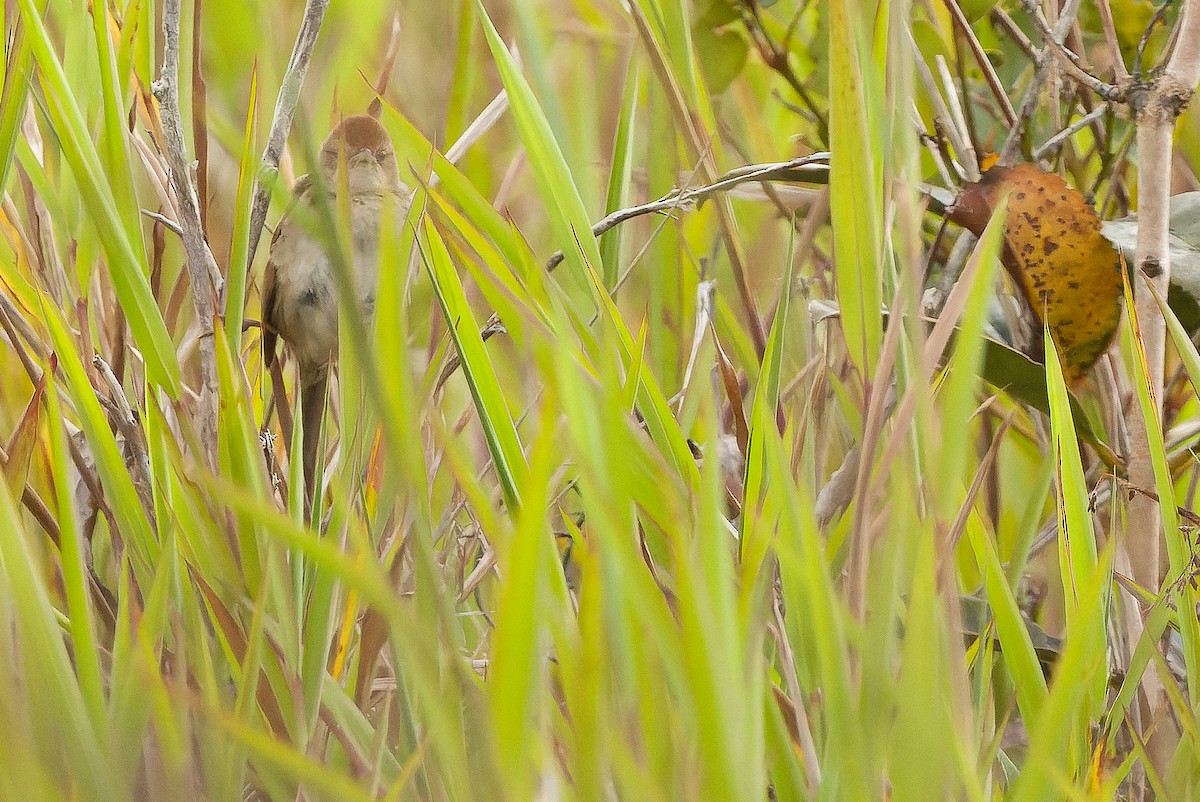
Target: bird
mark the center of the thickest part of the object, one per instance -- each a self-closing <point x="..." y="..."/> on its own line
<point x="300" y="289"/>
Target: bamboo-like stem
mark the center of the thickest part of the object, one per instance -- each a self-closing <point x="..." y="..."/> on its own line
<point x="1157" y="106"/>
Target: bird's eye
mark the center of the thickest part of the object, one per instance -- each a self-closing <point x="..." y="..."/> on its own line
<point x="383" y="153"/>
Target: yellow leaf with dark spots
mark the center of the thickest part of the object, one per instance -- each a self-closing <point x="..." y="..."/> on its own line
<point x="1069" y="273"/>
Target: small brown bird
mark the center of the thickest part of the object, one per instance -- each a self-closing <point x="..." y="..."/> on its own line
<point x="300" y="295"/>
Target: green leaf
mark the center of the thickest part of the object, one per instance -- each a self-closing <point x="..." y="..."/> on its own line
<point x="722" y="53"/>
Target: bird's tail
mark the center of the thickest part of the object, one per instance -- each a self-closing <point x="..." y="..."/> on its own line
<point x="314" y="384"/>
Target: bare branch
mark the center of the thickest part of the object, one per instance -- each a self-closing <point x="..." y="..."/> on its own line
<point x="164" y="221"/>
<point x="1114" y="44"/>
<point x="1157" y="105"/>
<point x="1184" y="66"/>
<point x="673" y="200"/>
<point x="281" y="124"/>
<point x="1054" y="142"/>
<point x="981" y="58"/>
<point x="677" y="198"/>
<point x="202" y="268"/>
<point x="1070" y="62"/>
<point x="1044" y="61"/>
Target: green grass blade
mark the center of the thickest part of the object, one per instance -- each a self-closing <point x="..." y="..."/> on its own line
<point x="240" y="247"/>
<point x="564" y="207"/>
<point x="497" y="422"/>
<point x="618" y="177"/>
<point x="854" y="196"/>
<point x="126" y="266"/>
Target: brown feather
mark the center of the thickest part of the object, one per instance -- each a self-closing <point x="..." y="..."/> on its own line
<point x="270" y="314"/>
<point x="359" y="131"/>
<point x="314" y="382"/>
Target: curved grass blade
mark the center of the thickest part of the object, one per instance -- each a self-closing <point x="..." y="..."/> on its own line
<point x="499" y="429"/>
<point x="563" y="204"/>
<point x="126" y="266"/>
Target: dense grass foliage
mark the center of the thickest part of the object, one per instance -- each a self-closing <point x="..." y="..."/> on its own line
<point x="668" y="509"/>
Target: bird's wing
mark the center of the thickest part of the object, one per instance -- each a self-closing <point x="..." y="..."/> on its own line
<point x="269" y="330"/>
<point x="270" y="294"/>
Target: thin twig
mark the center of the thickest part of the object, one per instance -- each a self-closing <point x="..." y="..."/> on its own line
<point x="1157" y="18"/>
<point x="281" y="124"/>
<point x="202" y="268"/>
<point x="676" y="198"/>
<point x="165" y="221"/>
<point x="1070" y="61"/>
<point x="981" y="58"/>
<point x="1055" y="141"/>
<point x="1114" y="44"/>
<point x="1043" y="61"/>
<point x="943" y="122"/>
<point x="775" y="56"/>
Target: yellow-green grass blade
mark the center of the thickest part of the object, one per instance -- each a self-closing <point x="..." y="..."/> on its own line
<point x="1015" y="644"/>
<point x="819" y="636"/>
<point x="499" y="429"/>
<point x="13" y="95"/>
<point x="516" y="676"/>
<point x="320" y="613"/>
<point x="459" y="189"/>
<point x="466" y="71"/>
<point x="535" y="61"/>
<point x="1086" y="582"/>
<point x="289" y="765"/>
<point x="113" y="150"/>
<point x="365" y="576"/>
<point x="1059" y="738"/>
<point x="924" y="746"/>
<point x="518" y="305"/>
<point x="1178" y="553"/>
<point x="755" y="539"/>
<point x="75" y="577"/>
<point x="241" y="457"/>
<point x="110" y="465"/>
<point x="663" y="427"/>
<point x="854" y="201"/>
<point x="1077" y="536"/>
<point x="62" y="724"/>
<point x="401" y="400"/>
<point x="619" y="175"/>
<point x="960" y="385"/>
<point x="724" y="675"/>
<point x="126" y="266"/>
<point x="239" y="271"/>
<point x="560" y="197"/>
<point x="136" y="668"/>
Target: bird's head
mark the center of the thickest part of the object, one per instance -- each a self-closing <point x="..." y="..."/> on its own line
<point x="370" y="161"/>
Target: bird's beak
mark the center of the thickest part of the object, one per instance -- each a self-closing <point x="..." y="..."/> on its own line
<point x="363" y="156"/>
